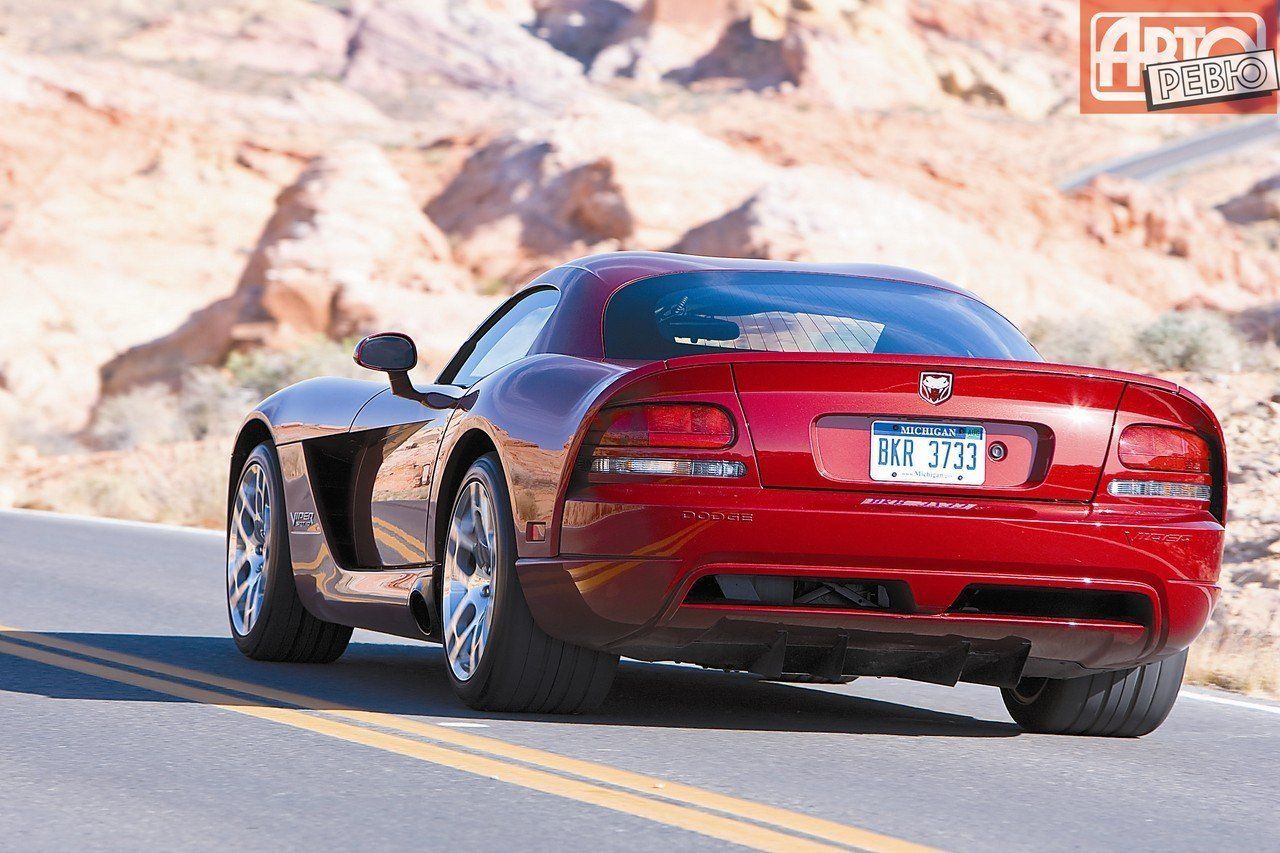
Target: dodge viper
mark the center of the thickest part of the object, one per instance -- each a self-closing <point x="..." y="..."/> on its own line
<point x="803" y="471"/>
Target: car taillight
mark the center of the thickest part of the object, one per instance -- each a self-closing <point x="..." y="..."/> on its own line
<point x="693" y="426"/>
<point x="1154" y="448"/>
<point x="667" y="428"/>
<point x="667" y="467"/>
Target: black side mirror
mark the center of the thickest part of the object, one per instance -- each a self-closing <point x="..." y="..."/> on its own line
<point x="395" y="354"/>
<point x="390" y="352"/>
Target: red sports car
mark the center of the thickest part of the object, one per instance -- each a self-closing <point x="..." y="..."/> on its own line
<point x="808" y="472"/>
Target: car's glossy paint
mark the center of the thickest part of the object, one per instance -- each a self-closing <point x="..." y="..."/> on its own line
<point x="607" y="562"/>
<point x="402" y="464"/>
<point x="375" y="599"/>
<point x="648" y="545"/>
<point x="316" y="407"/>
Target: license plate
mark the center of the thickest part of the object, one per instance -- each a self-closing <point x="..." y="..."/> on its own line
<point x="918" y="452"/>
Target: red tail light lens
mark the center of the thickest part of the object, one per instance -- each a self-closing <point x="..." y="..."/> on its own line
<point x="1153" y="448"/>
<point x="676" y="425"/>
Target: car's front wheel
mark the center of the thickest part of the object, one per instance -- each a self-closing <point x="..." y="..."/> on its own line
<point x="496" y="657"/>
<point x="268" y="620"/>
<point x="1127" y="703"/>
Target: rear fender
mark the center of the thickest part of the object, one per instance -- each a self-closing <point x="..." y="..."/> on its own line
<point x="532" y="412"/>
<point x="1178" y="408"/>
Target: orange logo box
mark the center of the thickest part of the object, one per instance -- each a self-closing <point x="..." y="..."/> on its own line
<point x="1120" y="38"/>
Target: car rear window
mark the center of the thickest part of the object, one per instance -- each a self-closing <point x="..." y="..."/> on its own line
<point x="701" y="312"/>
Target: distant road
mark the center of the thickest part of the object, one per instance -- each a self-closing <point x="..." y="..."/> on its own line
<point x="129" y="721"/>
<point x="1180" y="154"/>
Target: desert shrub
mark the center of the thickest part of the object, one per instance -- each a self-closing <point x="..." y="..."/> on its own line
<point x="175" y="485"/>
<point x="1089" y="340"/>
<point x="212" y="403"/>
<point x="1235" y="662"/>
<point x="1176" y="340"/>
<point x="1191" y="340"/>
<point x="179" y="436"/>
<point x="207" y="404"/>
<point x="149" y="415"/>
<point x="263" y="372"/>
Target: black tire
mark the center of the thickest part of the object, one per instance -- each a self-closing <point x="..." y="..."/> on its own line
<point x="1128" y="703"/>
<point x="523" y="669"/>
<point x="283" y="629"/>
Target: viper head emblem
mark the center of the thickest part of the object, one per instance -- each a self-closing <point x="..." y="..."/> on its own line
<point x="935" y="388"/>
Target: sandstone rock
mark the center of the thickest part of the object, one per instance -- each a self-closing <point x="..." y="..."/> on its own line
<point x="1022" y="85"/>
<point x="855" y="54"/>
<point x="409" y="56"/>
<point x="1125" y="212"/>
<point x="861" y="54"/>
<point x="665" y="35"/>
<point x="282" y="36"/>
<point x="609" y="175"/>
<point x="117" y="223"/>
<point x="847" y="53"/>
<point x="1251" y="611"/>
<point x="519" y="11"/>
<point x="419" y="59"/>
<point x="1261" y="201"/>
<point x="817" y="214"/>
<point x="581" y="28"/>
<point x="346" y="240"/>
<point x="1016" y="56"/>
<point x="768" y="20"/>
<point x="1259" y="573"/>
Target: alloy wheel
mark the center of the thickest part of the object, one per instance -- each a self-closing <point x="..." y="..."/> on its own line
<point x="467" y="585"/>
<point x="248" y="548"/>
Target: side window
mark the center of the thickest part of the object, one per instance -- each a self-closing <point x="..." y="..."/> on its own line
<point x="510" y="338"/>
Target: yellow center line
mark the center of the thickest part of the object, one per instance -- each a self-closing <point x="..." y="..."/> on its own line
<point x="724" y="829"/>
<point x="650" y="786"/>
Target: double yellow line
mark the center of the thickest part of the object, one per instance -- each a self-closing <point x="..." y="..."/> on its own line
<point x="719" y="816"/>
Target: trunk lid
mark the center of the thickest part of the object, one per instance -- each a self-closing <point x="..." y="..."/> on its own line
<point x="810" y="419"/>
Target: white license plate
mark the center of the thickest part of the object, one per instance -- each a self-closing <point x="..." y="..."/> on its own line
<point x="918" y="452"/>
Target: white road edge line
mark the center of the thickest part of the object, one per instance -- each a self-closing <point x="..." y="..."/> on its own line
<point x="119" y="522"/>
<point x="1235" y="703"/>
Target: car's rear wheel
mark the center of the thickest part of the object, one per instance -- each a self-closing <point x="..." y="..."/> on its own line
<point x="1127" y="703"/>
<point x="496" y="657"/>
<point x="268" y="620"/>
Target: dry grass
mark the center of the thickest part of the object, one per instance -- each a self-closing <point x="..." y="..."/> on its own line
<point x="157" y="453"/>
<point x="1176" y="340"/>
<point x="184" y="483"/>
<point x="1239" y="663"/>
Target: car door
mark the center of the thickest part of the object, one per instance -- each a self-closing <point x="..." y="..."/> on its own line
<point x="393" y="479"/>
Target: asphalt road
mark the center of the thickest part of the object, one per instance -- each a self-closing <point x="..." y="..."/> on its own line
<point x="128" y="720"/>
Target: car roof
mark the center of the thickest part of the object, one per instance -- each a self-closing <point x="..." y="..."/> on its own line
<point x="587" y="283"/>
<point x="612" y="270"/>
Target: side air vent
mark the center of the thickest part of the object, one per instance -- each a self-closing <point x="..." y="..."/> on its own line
<point x="1055" y="603"/>
<point x="801" y="592"/>
<point x="331" y="463"/>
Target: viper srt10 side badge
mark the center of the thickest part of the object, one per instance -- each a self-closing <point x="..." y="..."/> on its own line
<point x="935" y="388"/>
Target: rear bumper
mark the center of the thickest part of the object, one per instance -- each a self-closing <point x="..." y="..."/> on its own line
<point x="645" y="554"/>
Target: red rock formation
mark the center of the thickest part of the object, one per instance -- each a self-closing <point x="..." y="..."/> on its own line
<point x="344" y="239"/>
